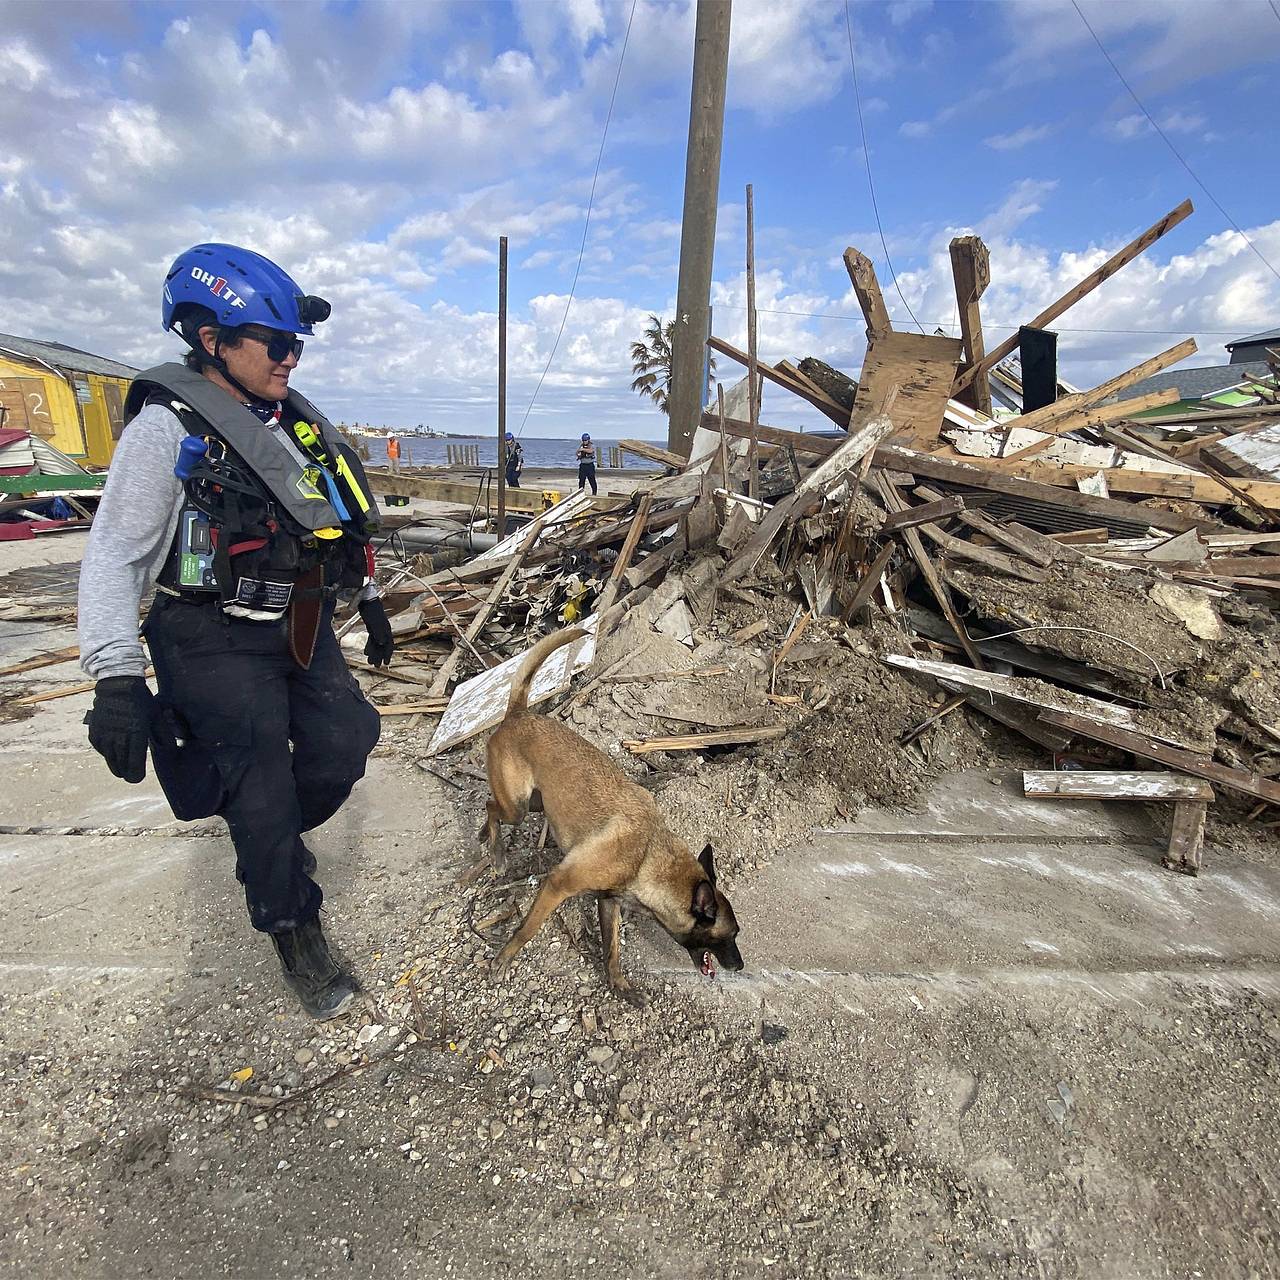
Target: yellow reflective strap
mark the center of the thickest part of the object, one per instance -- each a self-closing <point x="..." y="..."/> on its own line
<point x="352" y="483"/>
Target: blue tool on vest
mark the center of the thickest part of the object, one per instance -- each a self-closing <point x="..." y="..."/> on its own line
<point x="191" y="454"/>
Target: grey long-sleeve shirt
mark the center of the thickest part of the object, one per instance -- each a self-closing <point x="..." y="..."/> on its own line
<point x="129" y="541"/>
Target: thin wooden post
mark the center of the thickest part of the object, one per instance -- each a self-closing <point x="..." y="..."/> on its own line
<point x="753" y="354"/>
<point x="502" y="386"/>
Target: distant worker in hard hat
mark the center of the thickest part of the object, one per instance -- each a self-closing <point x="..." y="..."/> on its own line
<point x="515" y="461"/>
<point x="248" y="512"/>
<point x="393" y="454"/>
<point x="587" y="463"/>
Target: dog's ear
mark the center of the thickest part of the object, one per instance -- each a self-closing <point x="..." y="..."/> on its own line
<point x="704" y="903"/>
<point x="707" y="861"/>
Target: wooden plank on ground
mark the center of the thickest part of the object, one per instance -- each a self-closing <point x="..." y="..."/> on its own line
<point x="698" y="741"/>
<point x="1139" y="744"/>
<point x="1086" y="286"/>
<point x="1093" y="784"/>
<point x="69" y="654"/>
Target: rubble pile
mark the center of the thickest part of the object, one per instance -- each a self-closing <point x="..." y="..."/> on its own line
<point x="783" y="626"/>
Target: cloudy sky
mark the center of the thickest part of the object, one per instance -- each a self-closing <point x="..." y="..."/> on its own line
<point x="377" y="151"/>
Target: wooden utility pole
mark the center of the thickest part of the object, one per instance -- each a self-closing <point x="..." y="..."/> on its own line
<point x="753" y="353"/>
<point x="698" y="228"/>
<point x="502" y="386"/>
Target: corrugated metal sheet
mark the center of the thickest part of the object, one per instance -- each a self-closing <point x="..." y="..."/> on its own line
<point x="64" y="357"/>
<point x="1250" y="457"/>
<point x="1049" y="517"/>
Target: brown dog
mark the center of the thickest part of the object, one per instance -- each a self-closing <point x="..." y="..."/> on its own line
<point x="615" y="844"/>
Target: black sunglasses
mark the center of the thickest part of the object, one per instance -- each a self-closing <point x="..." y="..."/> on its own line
<point x="279" y="345"/>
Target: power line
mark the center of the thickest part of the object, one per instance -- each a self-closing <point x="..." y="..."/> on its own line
<point x="996" y="324"/>
<point x="1275" y="9"/>
<point x="866" y="158"/>
<point x="1165" y="138"/>
<point x="622" y="57"/>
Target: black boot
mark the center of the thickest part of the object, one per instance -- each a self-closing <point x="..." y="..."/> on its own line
<point x="315" y="976"/>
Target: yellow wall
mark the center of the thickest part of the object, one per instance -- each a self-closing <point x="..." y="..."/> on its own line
<point x="51" y="410"/>
<point x="99" y="430"/>
<point x="83" y="429"/>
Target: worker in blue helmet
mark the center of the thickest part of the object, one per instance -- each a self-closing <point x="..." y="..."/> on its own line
<point x="248" y="512"/>
<point x="515" y="461"/>
<point x="586" y="456"/>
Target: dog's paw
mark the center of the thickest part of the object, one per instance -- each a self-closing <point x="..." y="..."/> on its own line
<point x="499" y="967"/>
<point x="632" y="995"/>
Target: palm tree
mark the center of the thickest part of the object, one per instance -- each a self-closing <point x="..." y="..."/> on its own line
<point x="651" y="362"/>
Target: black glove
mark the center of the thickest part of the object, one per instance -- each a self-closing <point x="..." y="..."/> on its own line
<point x="381" y="646"/>
<point x="120" y="725"/>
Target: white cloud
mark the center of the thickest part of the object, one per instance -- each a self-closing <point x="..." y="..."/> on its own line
<point x="915" y="128"/>
<point x="1019" y="137"/>
<point x="21" y="67"/>
<point x="1136" y="125"/>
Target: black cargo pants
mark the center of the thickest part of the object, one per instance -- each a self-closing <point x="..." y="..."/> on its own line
<point x="240" y="701"/>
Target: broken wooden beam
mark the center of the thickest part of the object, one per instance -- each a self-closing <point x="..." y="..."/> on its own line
<point x="971" y="273"/>
<point x="1074" y="294"/>
<point x="652" y="453"/>
<point x="847" y="454"/>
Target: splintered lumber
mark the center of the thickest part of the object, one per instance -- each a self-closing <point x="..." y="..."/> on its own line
<point x="1096" y="419"/>
<point x="1034" y="693"/>
<point x="963" y="472"/>
<point x="847" y="454"/>
<point x="429" y="706"/>
<point x="1049" y="784"/>
<point x="910" y="517"/>
<point x="623" y="562"/>
<point x="1073" y="295"/>
<point x="1164" y="484"/>
<point x="1139" y="744"/>
<point x="822" y="402"/>
<point x="971" y="272"/>
<point x="862" y="274"/>
<point x="870" y="580"/>
<point x="699" y="741"/>
<point x="1070" y="411"/>
<point x="937" y="587"/>
<point x="485" y="612"/>
<point x="528" y="501"/>
<point x="651" y="453"/>
<point x="922" y="367"/>
<point x="839" y="386"/>
<point x="997" y="560"/>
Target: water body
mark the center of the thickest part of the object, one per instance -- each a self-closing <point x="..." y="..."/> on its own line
<point x="420" y="451"/>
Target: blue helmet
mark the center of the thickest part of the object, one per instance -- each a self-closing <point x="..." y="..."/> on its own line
<point x="239" y="287"/>
<point x="586" y="435"/>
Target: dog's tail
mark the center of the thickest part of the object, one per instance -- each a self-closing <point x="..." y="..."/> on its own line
<point x="519" y="700"/>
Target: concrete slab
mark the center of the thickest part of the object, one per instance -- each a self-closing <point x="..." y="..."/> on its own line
<point x="984" y="889"/>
